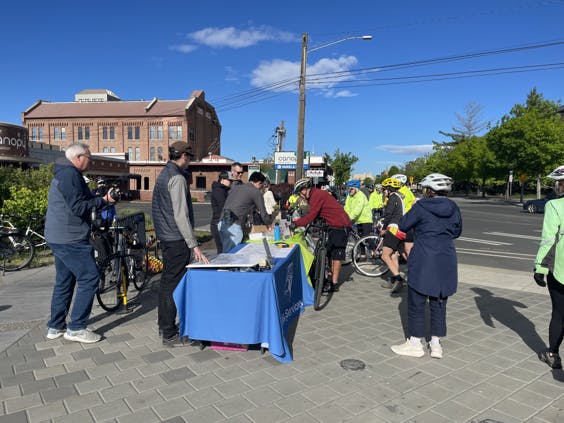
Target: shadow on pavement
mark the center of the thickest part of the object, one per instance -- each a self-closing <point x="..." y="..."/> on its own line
<point x="504" y="311"/>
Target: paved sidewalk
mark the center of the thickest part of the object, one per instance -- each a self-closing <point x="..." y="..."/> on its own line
<point x="497" y="321"/>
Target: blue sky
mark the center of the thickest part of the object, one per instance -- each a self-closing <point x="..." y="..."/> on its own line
<point x="245" y="55"/>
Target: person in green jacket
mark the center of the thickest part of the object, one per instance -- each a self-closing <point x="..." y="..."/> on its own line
<point x="550" y="263"/>
<point x="358" y="209"/>
<point x="376" y="202"/>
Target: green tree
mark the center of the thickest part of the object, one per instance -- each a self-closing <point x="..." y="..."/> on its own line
<point x="393" y="170"/>
<point x="342" y="164"/>
<point x="530" y="139"/>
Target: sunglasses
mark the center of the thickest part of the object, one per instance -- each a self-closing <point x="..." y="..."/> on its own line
<point x="239" y="173"/>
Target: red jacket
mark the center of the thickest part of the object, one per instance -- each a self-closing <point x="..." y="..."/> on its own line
<point x="322" y="204"/>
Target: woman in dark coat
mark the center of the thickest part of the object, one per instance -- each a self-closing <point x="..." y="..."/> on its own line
<point x="219" y="191"/>
<point x="432" y="265"/>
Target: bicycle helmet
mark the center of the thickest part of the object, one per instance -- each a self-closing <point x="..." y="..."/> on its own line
<point x="378" y="186"/>
<point x="100" y="181"/>
<point x="353" y="183"/>
<point x="557" y="174"/>
<point x="437" y="182"/>
<point x="302" y="184"/>
<point x="391" y="183"/>
<point x="401" y="178"/>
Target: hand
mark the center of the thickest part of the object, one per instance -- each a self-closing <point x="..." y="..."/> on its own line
<point x="539" y="279"/>
<point x="199" y="256"/>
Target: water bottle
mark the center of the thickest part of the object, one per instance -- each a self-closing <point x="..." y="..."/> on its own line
<point x="276" y="231"/>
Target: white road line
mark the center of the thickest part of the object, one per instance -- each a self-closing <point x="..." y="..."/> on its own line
<point x="483" y="241"/>
<point x="536" y="238"/>
<point x="497" y="254"/>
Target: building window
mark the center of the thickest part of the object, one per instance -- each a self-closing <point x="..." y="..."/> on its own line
<point x="152" y="154"/>
<point x="160" y="153"/>
<point x="105" y="150"/>
<point x="156" y="132"/>
<point x="133" y="132"/>
<point x="130" y="153"/>
<point x="83" y="133"/>
<point x="146" y="183"/>
<point x="108" y="133"/>
<point x="200" y="182"/>
<point x="112" y="149"/>
<point x="36" y="134"/>
<point x="59" y="134"/>
<point x="192" y="134"/>
<point x="137" y="153"/>
<point x="175" y="132"/>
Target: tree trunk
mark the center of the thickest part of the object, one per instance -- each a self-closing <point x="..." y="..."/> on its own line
<point x="538" y="186"/>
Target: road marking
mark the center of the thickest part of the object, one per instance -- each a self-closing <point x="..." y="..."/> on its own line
<point x="483" y="241"/>
<point x="497" y="254"/>
<point x="536" y="238"/>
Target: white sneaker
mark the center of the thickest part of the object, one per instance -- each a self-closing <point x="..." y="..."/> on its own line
<point x="85" y="336"/>
<point x="409" y="349"/>
<point x="53" y="333"/>
<point x="436" y="350"/>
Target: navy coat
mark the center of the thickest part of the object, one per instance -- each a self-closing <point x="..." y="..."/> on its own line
<point x="432" y="263"/>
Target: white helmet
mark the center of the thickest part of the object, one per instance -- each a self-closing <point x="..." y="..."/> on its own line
<point x="400" y="177"/>
<point x="437" y="182"/>
<point x="557" y="174"/>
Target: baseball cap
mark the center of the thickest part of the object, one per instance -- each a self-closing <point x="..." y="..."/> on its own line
<point x="182" y="147"/>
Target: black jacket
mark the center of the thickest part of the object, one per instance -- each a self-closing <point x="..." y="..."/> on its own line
<point x="218" y="195"/>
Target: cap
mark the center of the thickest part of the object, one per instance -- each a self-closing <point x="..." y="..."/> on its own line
<point x="226" y="175"/>
<point x="182" y="147"/>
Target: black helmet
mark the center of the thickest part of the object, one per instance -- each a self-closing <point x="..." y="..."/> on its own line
<point x="301" y="184"/>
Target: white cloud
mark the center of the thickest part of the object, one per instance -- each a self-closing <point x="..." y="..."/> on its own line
<point x="184" y="48"/>
<point x="406" y="150"/>
<point x="276" y="71"/>
<point x="232" y="37"/>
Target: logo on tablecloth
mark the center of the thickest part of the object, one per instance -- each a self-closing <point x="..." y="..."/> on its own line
<point x="289" y="280"/>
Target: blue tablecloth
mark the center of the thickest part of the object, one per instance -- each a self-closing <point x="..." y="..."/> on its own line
<point x="244" y="307"/>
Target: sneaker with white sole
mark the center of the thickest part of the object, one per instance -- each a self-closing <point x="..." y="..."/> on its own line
<point x="53" y="333"/>
<point x="436" y="350"/>
<point x="85" y="336"/>
<point x="408" y="349"/>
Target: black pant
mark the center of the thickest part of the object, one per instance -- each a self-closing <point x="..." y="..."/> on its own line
<point x="217" y="239"/>
<point x="176" y="255"/>
<point x="556" y="326"/>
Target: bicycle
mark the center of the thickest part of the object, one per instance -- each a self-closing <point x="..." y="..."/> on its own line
<point x="321" y="264"/>
<point x="127" y="264"/>
<point x="16" y="249"/>
<point x="367" y="256"/>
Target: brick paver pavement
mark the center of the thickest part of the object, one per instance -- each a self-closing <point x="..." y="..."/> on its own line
<point x="490" y="369"/>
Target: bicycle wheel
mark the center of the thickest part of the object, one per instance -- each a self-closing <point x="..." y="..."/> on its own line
<point x="367" y="256"/>
<point x="16" y="251"/>
<point x="112" y="283"/>
<point x="137" y="265"/>
<point x="319" y="276"/>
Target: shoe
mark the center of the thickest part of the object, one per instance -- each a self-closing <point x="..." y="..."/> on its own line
<point x="334" y="287"/>
<point x="387" y="285"/>
<point x="436" y="350"/>
<point x="397" y="282"/>
<point x="53" y="333"/>
<point x="408" y="349"/>
<point x="180" y="341"/>
<point x="553" y="360"/>
<point x="85" y="336"/>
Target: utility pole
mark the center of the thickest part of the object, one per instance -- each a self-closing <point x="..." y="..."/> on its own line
<point x="281" y="133"/>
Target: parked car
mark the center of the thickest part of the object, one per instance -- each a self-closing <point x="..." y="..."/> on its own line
<point x="537" y="205"/>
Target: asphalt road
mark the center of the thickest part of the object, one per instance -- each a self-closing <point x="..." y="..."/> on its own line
<point x="495" y="233"/>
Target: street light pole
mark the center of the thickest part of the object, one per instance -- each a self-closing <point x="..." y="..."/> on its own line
<point x="302" y="101"/>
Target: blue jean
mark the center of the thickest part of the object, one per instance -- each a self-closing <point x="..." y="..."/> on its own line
<point x="231" y="234"/>
<point x="75" y="266"/>
<point x="416" y="304"/>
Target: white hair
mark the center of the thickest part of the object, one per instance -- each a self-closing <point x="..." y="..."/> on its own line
<point x="75" y="150"/>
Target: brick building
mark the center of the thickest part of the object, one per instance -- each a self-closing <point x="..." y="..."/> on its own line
<point x="142" y="130"/>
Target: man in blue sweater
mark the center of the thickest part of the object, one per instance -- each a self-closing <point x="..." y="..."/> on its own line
<point x="67" y="230"/>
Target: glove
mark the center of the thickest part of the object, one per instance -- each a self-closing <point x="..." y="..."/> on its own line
<point x="539" y="279"/>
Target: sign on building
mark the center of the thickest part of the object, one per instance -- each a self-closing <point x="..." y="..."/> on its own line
<point x="314" y="173"/>
<point x="288" y="159"/>
<point x="253" y="169"/>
